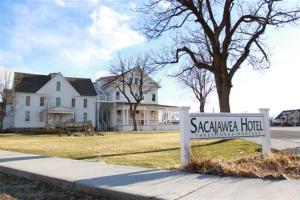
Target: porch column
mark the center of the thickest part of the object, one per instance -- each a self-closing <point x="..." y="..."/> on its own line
<point x="98" y="117"/>
<point x="114" y="114"/>
<point x="126" y="117"/>
<point x="123" y="116"/>
<point x="145" y="117"/>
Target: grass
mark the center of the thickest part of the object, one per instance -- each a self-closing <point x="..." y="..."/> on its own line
<point x="151" y="149"/>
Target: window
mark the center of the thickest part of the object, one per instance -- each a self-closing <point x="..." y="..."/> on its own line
<point x="42" y="101"/>
<point x="57" y="101"/>
<point x="118" y="115"/>
<point x="57" y="117"/>
<point x="73" y="103"/>
<point x="85" y="103"/>
<point x="117" y="95"/>
<point x="136" y="95"/>
<point x="108" y="116"/>
<point x="58" y="86"/>
<point x="27" y="100"/>
<point x="27" y="116"/>
<point x="136" y="81"/>
<point x="130" y="80"/>
<point x="153" y="115"/>
<point x="85" y="117"/>
<point x="153" y="97"/>
<point x="41" y="116"/>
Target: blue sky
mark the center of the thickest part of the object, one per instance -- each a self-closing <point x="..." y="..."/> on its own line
<point x="83" y="38"/>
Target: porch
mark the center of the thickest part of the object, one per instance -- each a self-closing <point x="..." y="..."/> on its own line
<point x="56" y="115"/>
<point x="148" y="117"/>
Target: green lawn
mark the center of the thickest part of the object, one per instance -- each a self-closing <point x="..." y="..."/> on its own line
<point x="151" y="149"/>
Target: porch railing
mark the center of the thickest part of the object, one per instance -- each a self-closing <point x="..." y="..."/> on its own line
<point x="149" y="122"/>
<point x="104" y="97"/>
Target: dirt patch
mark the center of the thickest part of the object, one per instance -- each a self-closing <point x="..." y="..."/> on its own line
<point x="13" y="188"/>
<point x="273" y="166"/>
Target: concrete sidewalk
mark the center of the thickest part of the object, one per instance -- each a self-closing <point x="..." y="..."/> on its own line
<point x="122" y="182"/>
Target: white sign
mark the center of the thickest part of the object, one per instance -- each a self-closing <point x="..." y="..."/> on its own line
<point x="222" y="125"/>
<point x="203" y="126"/>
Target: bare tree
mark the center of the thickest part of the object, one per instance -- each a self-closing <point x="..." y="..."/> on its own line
<point x="6" y="78"/>
<point x="200" y="81"/>
<point x="48" y="104"/>
<point x="217" y="35"/>
<point x="133" y="81"/>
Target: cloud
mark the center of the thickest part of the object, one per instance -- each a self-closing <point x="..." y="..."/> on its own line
<point x="164" y="4"/>
<point x="60" y="2"/>
<point x="103" y="73"/>
<point x="84" y="40"/>
<point x="108" y="33"/>
<point x="88" y="53"/>
<point x="112" y="29"/>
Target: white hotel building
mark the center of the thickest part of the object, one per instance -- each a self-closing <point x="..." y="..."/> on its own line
<point x="40" y="101"/>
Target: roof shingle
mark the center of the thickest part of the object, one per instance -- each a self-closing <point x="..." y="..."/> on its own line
<point x="31" y="83"/>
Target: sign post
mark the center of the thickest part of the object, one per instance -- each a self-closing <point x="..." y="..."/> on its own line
<point x="185" y="148"/>
<point x="222" y="125"/>
<point x="266" y="143"/>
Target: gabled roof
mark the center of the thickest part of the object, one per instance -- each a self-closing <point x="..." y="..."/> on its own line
<point x="83" y="86"/>
<point x="31" y="83"/>
<point x="106" y="80"/>
<point x="285" y="112"/>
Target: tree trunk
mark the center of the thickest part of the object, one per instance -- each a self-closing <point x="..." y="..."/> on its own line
<point x="202" y="105"/>
<point x="1" y="123"/>
<point x="223" y="85"/>
<point x="133" y="112"/>
<point x="134" y="121"/>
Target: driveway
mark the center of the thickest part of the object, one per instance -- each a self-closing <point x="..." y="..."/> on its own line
<point x="291" y="133"/>
<point x="283" y="138"/>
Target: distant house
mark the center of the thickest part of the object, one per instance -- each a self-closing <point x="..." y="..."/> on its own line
<point x="289" y="118"/>
<point x="45" y="100"/>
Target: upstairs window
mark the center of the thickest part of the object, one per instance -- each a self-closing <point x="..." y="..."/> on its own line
<point x="58" y="86"/>
<point x="153" y="97"/>
<point x="136" y="81"/>
<point x="85" y="103"/>
<point x="42" y="101"/>
<point x="117" y="95"/>
<point x="130" y="80"/>
<point x="27" y="100"/>
<point x="73" y="103"/>
<point x="57" y="101"/>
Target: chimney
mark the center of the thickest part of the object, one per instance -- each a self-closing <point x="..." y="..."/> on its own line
<point x="52" y="75"/>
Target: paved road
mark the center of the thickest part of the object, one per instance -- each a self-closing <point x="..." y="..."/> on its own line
<point x="285" y="133"/>
<point x="124" y="182"/>
<point x="283" y="138"/>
